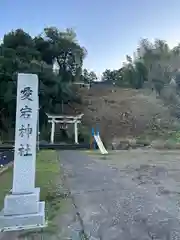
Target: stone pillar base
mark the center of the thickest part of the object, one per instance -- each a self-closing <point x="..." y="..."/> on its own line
<point x="23" y="221"/>
<point x="17" y="204"/>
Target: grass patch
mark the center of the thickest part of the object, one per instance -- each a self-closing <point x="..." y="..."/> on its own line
<point x="6" y="179"/>
<point x="169" y="139"/>
<point x="174" y="136"/>
<point x="49" y="180"/>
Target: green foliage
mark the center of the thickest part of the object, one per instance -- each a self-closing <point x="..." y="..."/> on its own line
<point x="84" y="134"/>
<point x="130" y="75"/>
<point x="113" y="76"/>
<point x="158" y="85"/>
<point x="19" y="52"/>
<point x="177" y="79"/>
<point x="6" y="178"/>
<point x="152" y="62"/>
<point x="88" y="77"/>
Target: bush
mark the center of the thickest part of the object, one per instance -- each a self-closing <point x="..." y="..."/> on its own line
<point x="84" y="134"/>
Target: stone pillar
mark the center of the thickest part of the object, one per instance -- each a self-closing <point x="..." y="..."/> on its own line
<point x="22" y="208"/>
<point x="76" y="132"/>
<point x="52" y="131"/>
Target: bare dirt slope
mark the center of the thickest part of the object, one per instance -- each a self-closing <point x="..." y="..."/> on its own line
<point x="123" y="112"/>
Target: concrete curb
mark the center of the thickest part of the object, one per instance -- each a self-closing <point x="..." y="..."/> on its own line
<point x="55" y="146"/>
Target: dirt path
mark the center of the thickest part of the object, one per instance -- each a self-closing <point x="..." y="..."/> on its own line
<point x="133" y="195"/>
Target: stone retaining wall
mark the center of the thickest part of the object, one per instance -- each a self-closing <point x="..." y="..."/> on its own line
<point x="133" y="143"/>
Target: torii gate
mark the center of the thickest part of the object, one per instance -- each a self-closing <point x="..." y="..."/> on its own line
<point x="64" y="119"/>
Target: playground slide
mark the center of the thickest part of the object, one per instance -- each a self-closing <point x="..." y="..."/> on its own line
<point x="100" y="144"/>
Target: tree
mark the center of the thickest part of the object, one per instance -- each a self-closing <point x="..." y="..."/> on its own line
<point x="113" y="76"/>
<point x="132" y="74"/>
<point x="63" y="47"/>
<point x="89" y="77"/>
<point x="160" y="61"/>
<point x="19" y="52"/>
<point x="107" y="75"/>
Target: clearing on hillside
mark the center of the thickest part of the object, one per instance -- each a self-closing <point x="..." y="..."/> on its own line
<point x="123" y="113"/>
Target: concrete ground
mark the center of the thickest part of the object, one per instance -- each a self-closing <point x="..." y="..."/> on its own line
<point x="129" y="195"/>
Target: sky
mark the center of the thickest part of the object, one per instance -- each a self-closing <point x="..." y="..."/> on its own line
<point x="108" y="29"/>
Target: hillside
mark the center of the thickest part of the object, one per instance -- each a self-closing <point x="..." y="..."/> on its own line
<point x="121" y="113"/>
